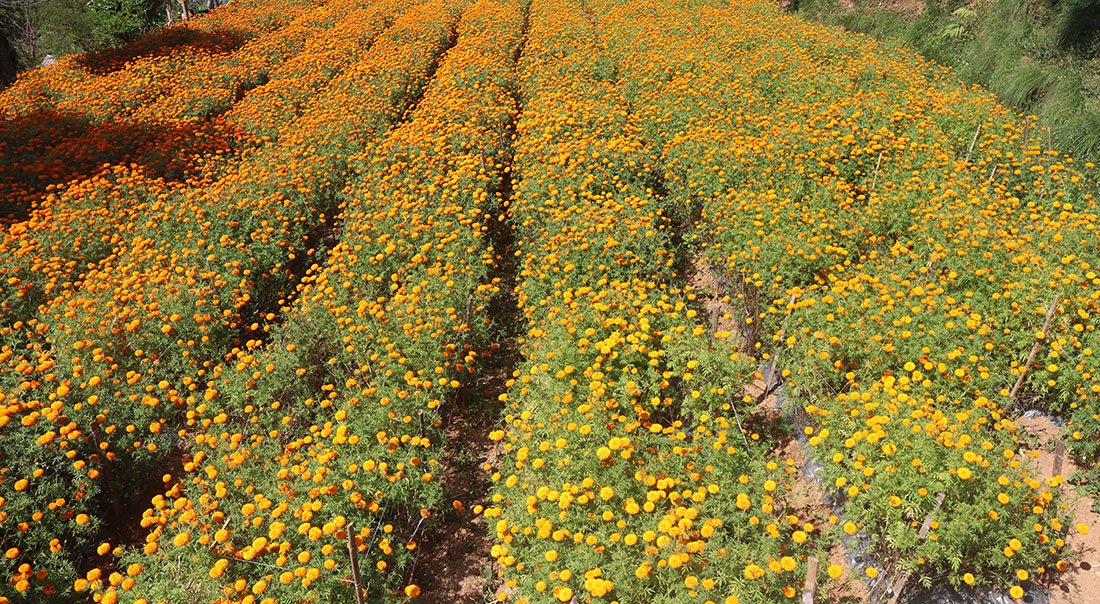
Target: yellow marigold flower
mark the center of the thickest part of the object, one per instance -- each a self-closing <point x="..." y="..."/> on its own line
<point x="753" y="571"/>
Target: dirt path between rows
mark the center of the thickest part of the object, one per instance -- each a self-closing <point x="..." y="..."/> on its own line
<point x="1080" y="582"/>
<point x="808" y="499"/>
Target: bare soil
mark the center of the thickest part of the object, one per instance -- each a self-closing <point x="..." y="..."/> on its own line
<point x="454" y="562"/>
<point x="1080" y="582"/>
<point x="808" y="499"/>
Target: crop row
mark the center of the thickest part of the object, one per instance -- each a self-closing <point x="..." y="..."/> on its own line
<point x="334" y="425"/>
<point x="189" y="131"/>
<point x="110" y="83"/>
<point x="102" y="378"/>
<point x="893" y="241"/>
<point x="64" y="122"/>
<point x="84" y="222"/>
<point x="624" y="475"/>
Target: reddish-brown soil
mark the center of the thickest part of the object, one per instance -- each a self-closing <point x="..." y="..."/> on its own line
<point x="1080" y="582"/>
<point x="454" y="566"/>
<point x="808" y="499"/>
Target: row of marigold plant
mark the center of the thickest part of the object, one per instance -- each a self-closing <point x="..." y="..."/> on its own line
<point x="64" y="122"/>
<point x="892" y="241"/>
<point x="101" y="381"/>
<point x="84" y="214"/>
<point x="333" y="424"/>
<point x="623" y="474"/>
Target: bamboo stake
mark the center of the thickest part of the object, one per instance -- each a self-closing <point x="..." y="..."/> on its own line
<point x="1034" y="351"/>
<point x="771" y="370"/>
<point x="469" y="309"/>
<point x="899" y="582"/>
<point x="874" y="177"/>
<point x="972" y="143"/>
<point x="811" y="581"/>
<point x="353" y="553"/>
<point x="740" y="428"/>
<point x="713" y="324"/>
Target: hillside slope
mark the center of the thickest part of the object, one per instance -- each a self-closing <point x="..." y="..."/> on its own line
<point x="1040" y="56"/>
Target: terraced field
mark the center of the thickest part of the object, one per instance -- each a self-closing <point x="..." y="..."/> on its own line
<point x="538" y="301"/>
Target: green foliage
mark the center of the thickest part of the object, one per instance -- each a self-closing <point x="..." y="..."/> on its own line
<point x="1035" y="56"/>
<point x="959" y="26"/>
<point x="120" y="21"/>
<point x="1078" y="27"/>
<point x="66" y="27"/>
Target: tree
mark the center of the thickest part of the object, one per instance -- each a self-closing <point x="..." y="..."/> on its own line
<point x="34" y="28"/>
<point x="9" y="62"/>
<point x="122" y="21"/>
<point x="19" y="21"/>
<point x="31" y="29"/>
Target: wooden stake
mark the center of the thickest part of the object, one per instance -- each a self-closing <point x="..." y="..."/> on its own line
<point x="902" y="578"/>
<point x="898" y="585"/>
<point x="927" y="526"/>
<point x="811" y="581"/>
<point x="874" y="177"/>
<point x="782" y="328"/>
<point x="353" y="553"/>
<point x="1034" y="351"/>
<point x="1059" y="457"/>
<point x="713" y="323"/>
<point x="972" y="143"/>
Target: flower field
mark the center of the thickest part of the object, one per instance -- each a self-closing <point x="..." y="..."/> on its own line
<point x="775" y="294"/>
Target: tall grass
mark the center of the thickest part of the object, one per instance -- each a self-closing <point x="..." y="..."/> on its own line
<point x="1041" y="56"/>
